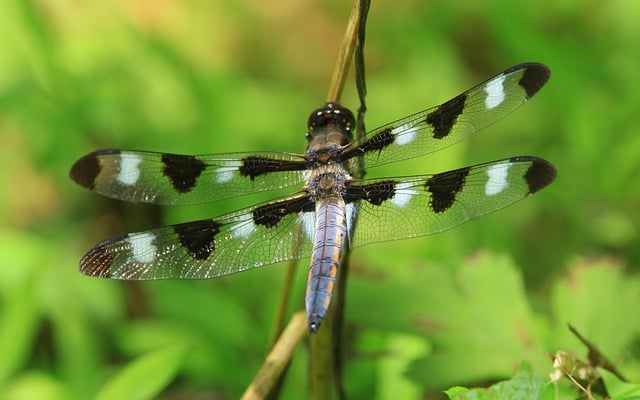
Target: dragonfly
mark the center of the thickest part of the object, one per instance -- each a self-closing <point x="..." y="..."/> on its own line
<point x="318" y="218"/>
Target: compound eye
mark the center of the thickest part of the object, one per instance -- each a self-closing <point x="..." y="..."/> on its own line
<point x="330" y="114"/>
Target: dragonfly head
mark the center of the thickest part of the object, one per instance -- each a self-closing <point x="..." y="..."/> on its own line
<point x="331" y="118"/>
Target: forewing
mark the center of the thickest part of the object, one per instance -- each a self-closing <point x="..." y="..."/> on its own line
<point x="392" y="209"/>
<point x="173" y="179"/>
<point x="449" y="123"/>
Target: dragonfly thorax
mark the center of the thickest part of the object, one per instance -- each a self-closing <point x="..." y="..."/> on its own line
<point x="327" y="181"/>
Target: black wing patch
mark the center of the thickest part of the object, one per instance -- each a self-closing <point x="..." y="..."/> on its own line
<point x="444" y="117"/>
<point x="198" y="237"/>
<point x="182" y="171"/>
<point x="444" y="187"/>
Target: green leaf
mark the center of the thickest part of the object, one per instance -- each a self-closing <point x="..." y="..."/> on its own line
<point x="145" y="377"/>
<point x="19" y="313"/>
<point x="479" y="322"/>
<point x="619" y="390"/>
<point x="525" y="385"/>
<point x="456" y="392"/>
<point x="601" y="302"/>
<point x="405" y="348"/>
<point x="36" y="385"/>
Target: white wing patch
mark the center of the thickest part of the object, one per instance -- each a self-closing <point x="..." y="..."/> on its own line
<point x="404" y="134"/>
<point x="225" y="174"/>
<point x="495" y="92"/>
<point x="403" y="194"/>
<point x="243" y="228"/>
<point x="129" y="170"/>
<point x="142" y="248"/>
<point x="497" y="179"/>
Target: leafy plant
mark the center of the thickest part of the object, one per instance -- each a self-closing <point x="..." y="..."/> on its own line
<point x="468" y="307"/>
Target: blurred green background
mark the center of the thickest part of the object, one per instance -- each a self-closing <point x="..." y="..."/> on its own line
<point x="460" y="308"/>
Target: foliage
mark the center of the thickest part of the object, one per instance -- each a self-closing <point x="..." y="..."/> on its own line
<point x="464" y="308"/>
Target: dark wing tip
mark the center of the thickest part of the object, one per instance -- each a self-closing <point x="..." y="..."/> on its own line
<point x="97" y="263"/>
<point x="540" y="174"/>
<point x="99" y="260"/>
<point x="85" y="171"/>
<point x="534" y="77"/>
